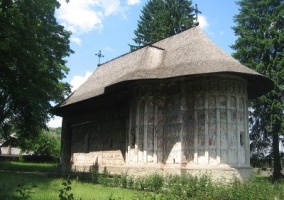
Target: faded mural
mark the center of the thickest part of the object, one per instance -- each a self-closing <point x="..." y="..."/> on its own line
<point x="201" y="122"/>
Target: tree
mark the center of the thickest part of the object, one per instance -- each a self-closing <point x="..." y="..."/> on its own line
<point x="161" y="19"/>
<point x="32" y="50"/>
<point x="260" y="27"/>
<point x="44" y="144"/>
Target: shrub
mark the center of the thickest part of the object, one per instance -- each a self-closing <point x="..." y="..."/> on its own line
<point x="65" y="192"/>
<point x="186" y="186"/>
<point x="95" y="177"/>
<point x="23" y="192"/>
<point x="123" y="181"/>
<point x="153" y="182"/>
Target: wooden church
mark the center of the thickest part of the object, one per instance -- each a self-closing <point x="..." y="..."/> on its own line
<point x="179" y="105"/>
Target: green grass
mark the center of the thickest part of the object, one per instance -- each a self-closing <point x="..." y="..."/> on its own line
<point x="28" y="167"/>
<point x="38" y="185"/>
<point x="43" y="187"/>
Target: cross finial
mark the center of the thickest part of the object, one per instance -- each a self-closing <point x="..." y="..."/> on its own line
<point x="100" y="55"/>
<point x="196" y="12"/>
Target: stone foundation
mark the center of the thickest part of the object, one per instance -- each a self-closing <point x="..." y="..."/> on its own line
<point x="217" y="173"/>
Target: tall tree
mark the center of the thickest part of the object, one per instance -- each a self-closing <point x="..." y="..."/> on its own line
<point x="260" y="46"/>
<point x="32" y="50"/>
<point x="161" y="19"/>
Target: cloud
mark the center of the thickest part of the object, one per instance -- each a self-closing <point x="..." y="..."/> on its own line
<point x="76" y="40"/>
<point x="55" y="122"/>
<point x="80" y="16"/>
<point x="111" y="7"/>
<point x="77" y="81"/>
<point x="203" y="23"/>
<point x="83" y="16"/>
<point x="132" y="2"/>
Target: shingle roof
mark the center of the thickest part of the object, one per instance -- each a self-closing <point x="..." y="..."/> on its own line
<point x="185" y="54"/>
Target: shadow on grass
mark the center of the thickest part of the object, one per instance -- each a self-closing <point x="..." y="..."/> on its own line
<point x="10" y="182"/>
<point x="28" y="167"/>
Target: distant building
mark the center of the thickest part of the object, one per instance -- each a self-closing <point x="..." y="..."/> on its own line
<point x="179" y="105"/>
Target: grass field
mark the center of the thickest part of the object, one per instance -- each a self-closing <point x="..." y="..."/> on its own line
<point x="40" y="181"/>
<point x="28" y="167"/>
<point x="44" y="187"/>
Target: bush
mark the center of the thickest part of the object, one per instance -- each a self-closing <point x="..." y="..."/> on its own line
<point x="153" y="182"/>
<point x="184" y="187"/>
<point x="43" y="145"/>
<point x="65" y="193"/>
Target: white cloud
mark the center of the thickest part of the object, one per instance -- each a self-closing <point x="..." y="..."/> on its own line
<point x="132" y="2"/>
<point x="77" y="81"/>
<point x="111" y="7"/>
<point x="55" y="122"/>
<point x="80" y="16"/>
<point x="76" y="40"/>
<point x="203" y="23"/>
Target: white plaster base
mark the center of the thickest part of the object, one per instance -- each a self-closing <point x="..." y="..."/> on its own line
<point x="217" y="173"/>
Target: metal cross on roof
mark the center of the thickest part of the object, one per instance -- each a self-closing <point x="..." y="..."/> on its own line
<point x="196" y="12"/>
<point x="100" y="55"/>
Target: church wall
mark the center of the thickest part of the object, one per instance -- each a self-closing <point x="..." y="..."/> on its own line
<point x="98" y="139"/>
<point x="172" y="126"/>
<point x="190" y="124"/>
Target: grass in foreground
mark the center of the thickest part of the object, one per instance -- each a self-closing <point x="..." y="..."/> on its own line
<point x="155" y="187"/>
<point x="28" y="167"/>
<point x="42" y="187"/>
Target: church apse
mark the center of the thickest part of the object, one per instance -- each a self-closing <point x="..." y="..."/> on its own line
<point x="190" y="124"/>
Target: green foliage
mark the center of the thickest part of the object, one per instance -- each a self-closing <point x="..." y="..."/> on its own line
<point x="33" y="48"/>
<point x="123" y="181"/>
<point x="65" y="192"/>
<point x="189" y="187"/>
<point x="95" y="177"/>
<point x="28" y="167"/>
<point x="48" y="187"/>
<point x="44" y="144"/>
<point x="154" y="182"/>
<point x="23" y="192"/>
<point x="174" y="187"/>
<point x="55" y="132"/>
<point x="260" y="31"/>
<point x="161" y="19"/>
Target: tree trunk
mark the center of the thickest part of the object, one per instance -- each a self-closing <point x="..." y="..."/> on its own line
<point x="277" y="162"/>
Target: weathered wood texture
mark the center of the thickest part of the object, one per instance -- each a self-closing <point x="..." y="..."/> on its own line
<point x="199" y="122"/>
<point x="175" y="125"/>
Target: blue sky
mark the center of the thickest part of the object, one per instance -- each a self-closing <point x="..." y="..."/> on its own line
<point x="108" y="25"/>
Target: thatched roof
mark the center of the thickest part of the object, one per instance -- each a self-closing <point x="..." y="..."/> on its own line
<point x="186" y="54"/>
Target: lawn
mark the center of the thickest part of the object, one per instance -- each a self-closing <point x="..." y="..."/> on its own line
<point x="43" y="187"/>
<point x="40" y="181"/>
<point x="28" y="167"/>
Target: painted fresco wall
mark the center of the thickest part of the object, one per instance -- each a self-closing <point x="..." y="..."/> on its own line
<point x="165" y="126"/>
<point x="190" y="123"/>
